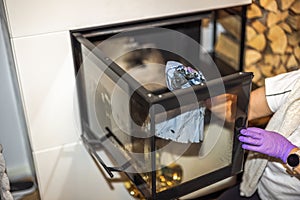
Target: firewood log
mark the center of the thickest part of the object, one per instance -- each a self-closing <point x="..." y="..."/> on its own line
<point x="292" y="62"/>
<point x="253" y="11"/>
<point x="273" y="18"/>
<point x="252" y="56"/>
<point x="279" y="70"/>
<point x="289" y="49"/>
<point x="258" y="26"/>
<point x="228" y="48"/>
<point x="286" y="27"/>
<point x="272" y="59"/>
<point x="266" y="70"/>
<point x="278" y="39"/>
<point x="297" y="52"/>
<point x="250" y="33"/>
<point x="258" y="42"/>
<point x="231" y="23"/>
<point x="294" y="38"/>
<point x="283" y="59"/>
<point x="270" y="5"/>
<point x="256" y="72"/>
<point x="285" y="4"/>
<point x="294" y="21"/>
<point x="296" y="7"/>
<point x="284" y="15"/>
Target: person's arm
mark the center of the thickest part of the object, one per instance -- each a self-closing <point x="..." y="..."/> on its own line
<point x="223" y="105"/>
<point x="258" y="106"/>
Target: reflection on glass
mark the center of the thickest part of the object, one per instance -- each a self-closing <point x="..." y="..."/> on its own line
<point x="133" y="191"/>
<point x="169" y="176"/>
<point x="166" y="178"/>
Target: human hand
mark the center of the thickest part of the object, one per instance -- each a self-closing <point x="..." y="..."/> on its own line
<point x="223" y="106"/>
<point x="266" y="142"/>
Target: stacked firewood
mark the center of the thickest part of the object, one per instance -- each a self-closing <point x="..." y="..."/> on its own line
<point x="272" y="43"/>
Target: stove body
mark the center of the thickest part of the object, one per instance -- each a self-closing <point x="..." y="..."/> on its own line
<point x="43" y="55"/>
<point x="126" y="105"/>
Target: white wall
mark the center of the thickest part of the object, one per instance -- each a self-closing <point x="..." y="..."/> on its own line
<point x="40" y="36"/>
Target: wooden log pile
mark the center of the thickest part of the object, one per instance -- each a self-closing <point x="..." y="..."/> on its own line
<point x="272" y="38"/>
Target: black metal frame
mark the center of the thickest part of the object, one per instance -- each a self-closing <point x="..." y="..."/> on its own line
<point x="168" y="100"/>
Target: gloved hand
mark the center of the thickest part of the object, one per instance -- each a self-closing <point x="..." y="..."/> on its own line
<point x="266" y="142"/>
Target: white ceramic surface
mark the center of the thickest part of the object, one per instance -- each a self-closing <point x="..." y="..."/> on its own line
<point x="68" y="173"/>
<point x="33" y="17"/>
<point x="47" y="81"/>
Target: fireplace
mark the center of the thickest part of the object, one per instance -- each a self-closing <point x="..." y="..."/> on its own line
<point x="125" y="101"/>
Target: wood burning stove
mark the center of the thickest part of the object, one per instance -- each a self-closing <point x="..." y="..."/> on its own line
<point x="123" y="97"/>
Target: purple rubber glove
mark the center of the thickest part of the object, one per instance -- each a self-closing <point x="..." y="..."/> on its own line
<point x="266" y="142"/>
